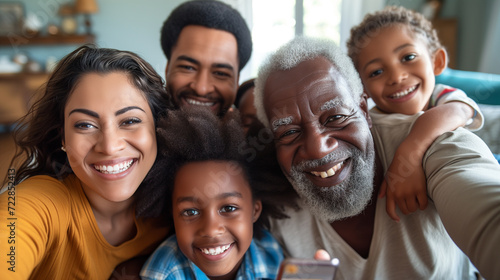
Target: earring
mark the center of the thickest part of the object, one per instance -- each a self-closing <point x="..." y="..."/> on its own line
<point x="63" y="149"/>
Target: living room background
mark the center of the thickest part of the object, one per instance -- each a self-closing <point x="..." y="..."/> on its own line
<point x="135" y="26"/>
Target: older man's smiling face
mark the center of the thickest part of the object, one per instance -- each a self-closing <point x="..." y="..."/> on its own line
<point x="322" y="137"/>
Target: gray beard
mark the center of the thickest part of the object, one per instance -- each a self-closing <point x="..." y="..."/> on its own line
<point x="344" y="200"/>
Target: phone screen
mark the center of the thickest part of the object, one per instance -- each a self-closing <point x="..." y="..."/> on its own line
<point x="308" y="269"/>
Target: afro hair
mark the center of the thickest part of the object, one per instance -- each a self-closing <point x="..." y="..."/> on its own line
<point x="197" y="135"/>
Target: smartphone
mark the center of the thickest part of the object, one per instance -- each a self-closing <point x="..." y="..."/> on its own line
<point x="294" y="268"/>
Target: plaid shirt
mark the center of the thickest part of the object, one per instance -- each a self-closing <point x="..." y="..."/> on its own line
<point x="261" y="261"/>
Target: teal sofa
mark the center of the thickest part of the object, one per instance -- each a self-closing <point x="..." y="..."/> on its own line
<point x="481" y="87"/>
<point x="485" y="90"/>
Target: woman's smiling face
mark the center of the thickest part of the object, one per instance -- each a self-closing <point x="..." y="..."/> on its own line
<point x="109" y="136"/>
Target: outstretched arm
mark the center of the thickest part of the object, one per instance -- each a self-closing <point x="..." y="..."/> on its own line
<point x="31" y="215"/>
<point x="464" y="184"/>
<point x="405" y="182"/>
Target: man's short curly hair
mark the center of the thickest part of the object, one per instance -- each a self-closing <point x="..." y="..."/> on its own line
<point x="391" y="15"/>
<point x="210" y="14"/>
<point x="196" y="135"/>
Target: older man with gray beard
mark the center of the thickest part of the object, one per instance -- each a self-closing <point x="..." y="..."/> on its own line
<point x="310" y="96"/>
<point x="348" y="198"/>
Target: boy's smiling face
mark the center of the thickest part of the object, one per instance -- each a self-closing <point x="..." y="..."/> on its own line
<point x="214" y="212"/>
<point x="397" y="70"/>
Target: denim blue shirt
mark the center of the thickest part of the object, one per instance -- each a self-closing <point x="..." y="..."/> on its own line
<point x="261" y="261"/>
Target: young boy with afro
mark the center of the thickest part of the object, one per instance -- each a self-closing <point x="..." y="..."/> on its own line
<point x="218" y="209"/>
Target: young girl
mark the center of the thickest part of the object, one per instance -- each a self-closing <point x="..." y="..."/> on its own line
<point x="80" y="192"/>
<point x="397" y="54"/>
<point x="217" y="210"/>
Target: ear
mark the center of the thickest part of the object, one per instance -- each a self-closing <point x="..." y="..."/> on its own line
<point x="363" y="104"/>
<point x="257" y="209"/>
<point x="440" y="61"/>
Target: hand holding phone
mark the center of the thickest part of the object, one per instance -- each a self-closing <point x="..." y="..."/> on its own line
<point x="294" y="268"/>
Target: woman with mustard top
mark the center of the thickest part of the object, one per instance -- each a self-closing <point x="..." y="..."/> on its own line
<point x="79" y="195"/>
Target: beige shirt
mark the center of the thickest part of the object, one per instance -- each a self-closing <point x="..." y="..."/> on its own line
<point x="464" y="190"/>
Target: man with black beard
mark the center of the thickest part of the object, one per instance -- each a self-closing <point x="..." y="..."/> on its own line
<point x="310" y="96"/>
<point x="207" y="43"/>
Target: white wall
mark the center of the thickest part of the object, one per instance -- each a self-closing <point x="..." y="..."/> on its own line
<point x="134" y="26"/>
<point x="490" y="60"/>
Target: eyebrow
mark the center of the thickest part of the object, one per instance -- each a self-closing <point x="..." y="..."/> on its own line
<point x="84" y="111"/>
<point x="395" y="50"/>
<point x="188" y="59"/>
<point x="281" y="122"/>
<point x="215" y="65"/>
<point x="96" y="115"/>
<point x="223" y="65"/>
<point x="220" y="196"/>
<point x="330" y="104"/>
<point x="126" y="109"/>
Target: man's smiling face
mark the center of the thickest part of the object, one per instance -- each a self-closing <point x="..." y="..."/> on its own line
<point x="322" y="137"/>
<point x="203" y="69"/>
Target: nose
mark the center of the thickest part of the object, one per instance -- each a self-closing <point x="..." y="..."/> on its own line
<point x="212" y="225"/>
<point x="202" y="83"/>
<point x="397" y="75"/>
<point x="110" y="141"/>
<point x="318" y="144"/>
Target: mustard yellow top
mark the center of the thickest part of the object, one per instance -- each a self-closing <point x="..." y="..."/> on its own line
<point x="48" y="231"/>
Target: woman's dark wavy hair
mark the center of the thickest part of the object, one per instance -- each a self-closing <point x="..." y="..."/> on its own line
<point x="197" y="135"/>
<point x="40" y="133"/>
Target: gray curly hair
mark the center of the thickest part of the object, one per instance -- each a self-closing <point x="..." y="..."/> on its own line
<point x="296" y="51"/>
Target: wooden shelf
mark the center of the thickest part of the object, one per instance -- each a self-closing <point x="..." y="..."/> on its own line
<point x="47" y="40"/>
<point x="22" y="76"/>
<point x="447" y="29"/>
<point x="18" y="91"/>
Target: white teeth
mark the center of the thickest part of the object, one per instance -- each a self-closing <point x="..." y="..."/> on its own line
<point x="403" y="93"/>
<point x="115" y="169"/>
<point x="215" y="251"/>
<point x="328" y="173"/>
<point x="199" y="103"/>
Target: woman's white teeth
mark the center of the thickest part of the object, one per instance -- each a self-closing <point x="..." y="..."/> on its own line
<point x="330" y="172"/>
<point x="403" y="93"/>
<point x="215" y="251"/>
<point x="114" y="169"/>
